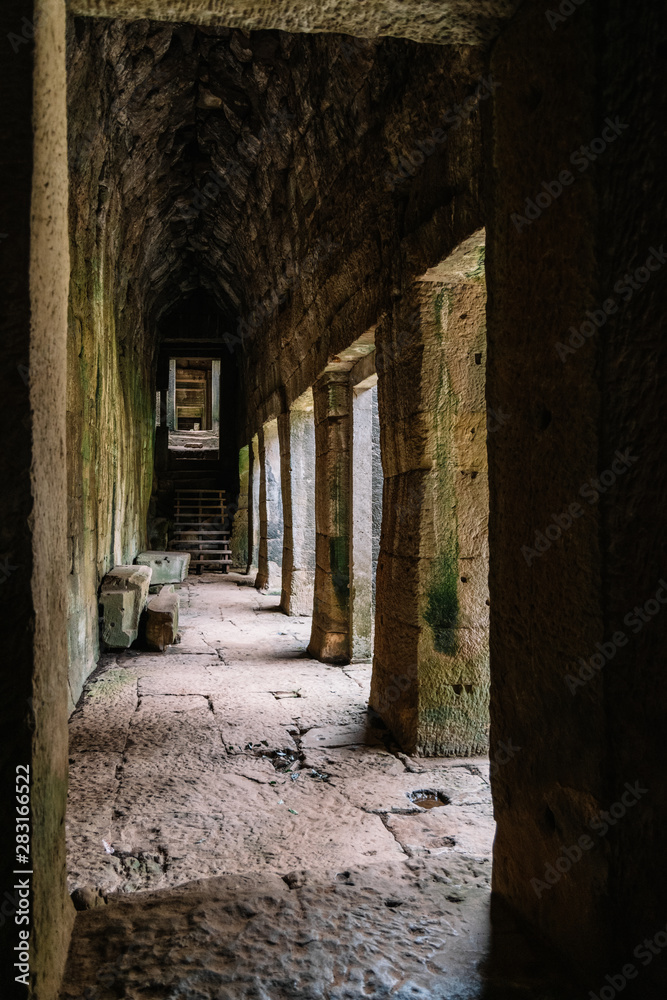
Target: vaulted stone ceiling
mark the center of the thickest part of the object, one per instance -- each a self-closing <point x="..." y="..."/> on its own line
<point x="222" y="159"/>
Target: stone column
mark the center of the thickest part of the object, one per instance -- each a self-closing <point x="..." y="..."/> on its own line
<point x="172" y="411"/>
<point x="240" y="538"/>
<point x="34" y="557"/>
<point x="577" y="360"/>
<point x="330" y="636"/>
<point x="431" y="667"/>
<point x="297" y="451"/>
<point x="270" y="511"/>
<point x="253" y="505"/>
<point x="215" y="398"/>
<point x="162" y="429"/>
<point x="361" y="535"/>
<point x="378" y="485"/>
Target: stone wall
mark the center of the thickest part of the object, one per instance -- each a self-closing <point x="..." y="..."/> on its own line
<point x="111" y="398"/>
<point x="340" y="273"/>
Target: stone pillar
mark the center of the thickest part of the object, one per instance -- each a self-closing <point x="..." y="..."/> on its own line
<point x="172" y="411"/>
<point x="162" y="429"/>
<point x="253" y="505"/>
<point x="577" y="358"/>
<point x="34" y="558"/>
<point x="378" y="485"/>
<point x="269" y="571"/>
<point x="330" y="636"/>
<point x="240" y="539"/>
<point x="431" y="667"/>
<point x="361" y="535"/>
<point x="215" y="398"/>
<point x="297" y="451"/>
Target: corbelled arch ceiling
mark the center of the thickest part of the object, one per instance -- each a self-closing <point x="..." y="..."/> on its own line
<point x="241" y="162"/>
<point x="445" y="22"/>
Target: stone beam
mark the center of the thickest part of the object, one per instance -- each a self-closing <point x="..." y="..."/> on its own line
<point x="446" y="23"/>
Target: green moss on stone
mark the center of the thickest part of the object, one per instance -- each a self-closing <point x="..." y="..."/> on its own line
<point x="110" y="685"/>
<point x="340" y="568"/>
<point x="477" y="273"/>
<point x="442" y="609"/>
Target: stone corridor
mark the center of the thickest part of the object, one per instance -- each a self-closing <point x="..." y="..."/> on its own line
<point x="235" y="760"/>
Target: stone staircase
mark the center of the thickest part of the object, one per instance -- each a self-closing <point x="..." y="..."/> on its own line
<point x="200" y="528"/>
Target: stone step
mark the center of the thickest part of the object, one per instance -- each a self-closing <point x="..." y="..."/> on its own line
<point x="205" y="531"/>
<point x="200" y="536"/>
<point x="198" y="506"/>
<point x="211" y="562"/>
<point x="208" y="552"/>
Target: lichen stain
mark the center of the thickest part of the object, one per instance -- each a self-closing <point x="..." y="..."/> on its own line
<point x="442" y="609"/>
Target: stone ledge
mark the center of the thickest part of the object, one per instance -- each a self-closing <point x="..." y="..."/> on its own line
<point x="167" y="567"/>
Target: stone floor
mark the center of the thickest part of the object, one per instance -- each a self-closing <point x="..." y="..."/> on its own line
<point x="255" y="835"/>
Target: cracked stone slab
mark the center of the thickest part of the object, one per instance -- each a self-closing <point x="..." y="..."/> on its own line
<point x="314" y="884"/>
<point x="409" y="931"/>
<point x="362" y="734"/>
<point x="191" y="790"/>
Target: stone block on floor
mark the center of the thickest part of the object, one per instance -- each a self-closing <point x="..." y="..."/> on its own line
<point x="161" y="619"/>
<point x="168" y="567"/>
<point x="123" y="595"/>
